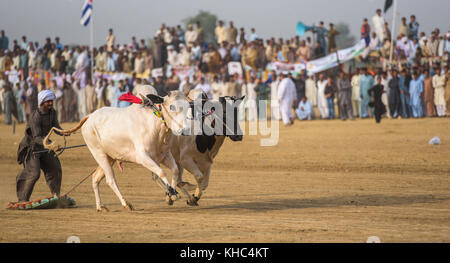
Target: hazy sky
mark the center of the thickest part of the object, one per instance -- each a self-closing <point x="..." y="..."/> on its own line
<point x="38" y="19"/>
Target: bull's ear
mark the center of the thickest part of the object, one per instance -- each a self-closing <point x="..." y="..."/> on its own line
<point x="155" y="98"/>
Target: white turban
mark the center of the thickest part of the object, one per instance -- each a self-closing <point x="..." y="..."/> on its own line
<point x="45" y="95"/>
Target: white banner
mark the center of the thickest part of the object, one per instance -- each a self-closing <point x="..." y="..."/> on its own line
<point x="352" y="52"/>
<point x="280" y="66"/>
<point x="322" y="64"/>
<point x="156" y="72"/>
<point x="234" y="67"/>
<point x="114" y="76"/>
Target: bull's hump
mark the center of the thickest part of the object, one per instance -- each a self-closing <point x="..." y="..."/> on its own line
<point x="204" y="142"/>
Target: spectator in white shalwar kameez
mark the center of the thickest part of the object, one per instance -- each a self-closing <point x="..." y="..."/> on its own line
<point x="321" y="99"/>
<point x="311" y="90"/>
<point x="378" y="24"/>
<point x="251" y="100"/>
<point x="172" y="56"/>
<point x="304" y="110"/>
<point x="112" y="89"/>
<point x="81" y="99"/>
<point x="274" y="106"/>
<point x="287" y="94"/>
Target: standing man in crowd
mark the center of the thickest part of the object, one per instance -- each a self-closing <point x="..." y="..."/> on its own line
<point x="251" y="99"/>
<point x="190" y="36"/>
<point x="365" y="83"/>
<point x="4" y="42"/>
<point x="416" y="93"/>
<point x="365" y="31"/>
<point x="344" y="88"/>
<point x="221" y="33"/>
<point x="39" y="125"/>
<point x="9" y="103"/>
<point x="69" y="102"/>
<point x="30" y="100"/>
<point x="413" y="27"/>
<point x="394" y="99"/>
<point x="375" y="96"/>
<point x="439" y="92"/>
<point x="403" y="29"/>
<point x="286" y="97"/>
<point x="274" y="105"/>
<point x="232" y="33"/>
<point x="262" y="93"/>
<point x="300" y="85"/>
<point x="110" y="40"/>
<point x="378" y="24"/>
<point x="81" y="99"/>
<point x="429" y="95"/>
<point x="321" y="32"/>
<point x="329" y="92"/>
<point x="311" y="90"/>
<point x="404" y="94"/>
<point x="91" y="98"/>
<point x="447" y="89"/>
<point x="355" y="94"/>
<point x="321" y="99"/>
<point x="332" y="33"/>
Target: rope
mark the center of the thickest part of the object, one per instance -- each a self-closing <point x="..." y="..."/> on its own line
<point x="73" y="188"/>
<point x="65" y="144"/>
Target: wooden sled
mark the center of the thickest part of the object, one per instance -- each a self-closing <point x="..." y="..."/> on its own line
<point x="43" y="203"/>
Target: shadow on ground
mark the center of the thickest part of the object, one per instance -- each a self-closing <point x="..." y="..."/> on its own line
<point x="333" y="201"/>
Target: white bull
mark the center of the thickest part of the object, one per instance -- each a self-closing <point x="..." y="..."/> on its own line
<point x="133" y="134"/>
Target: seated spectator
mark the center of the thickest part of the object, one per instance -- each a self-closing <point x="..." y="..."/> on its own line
<point x="305" y="110"/>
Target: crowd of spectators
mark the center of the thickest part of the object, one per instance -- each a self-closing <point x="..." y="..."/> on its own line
<point x="27" y="67"/>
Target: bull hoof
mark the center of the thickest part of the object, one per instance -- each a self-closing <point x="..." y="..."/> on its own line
<point x="171" y="191"/>
<point x="103" y="209"/>
<point x="169" y="200"/>
<point x="173" y="194"/>
<point x="129" y="207"/>
<point x="193" y="201"/>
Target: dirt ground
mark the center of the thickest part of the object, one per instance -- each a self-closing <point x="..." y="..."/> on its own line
<point x="325" y="181"/>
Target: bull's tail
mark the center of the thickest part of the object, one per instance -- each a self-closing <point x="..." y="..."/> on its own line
<point x="52" y="145"/>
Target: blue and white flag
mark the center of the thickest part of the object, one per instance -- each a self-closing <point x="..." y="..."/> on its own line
<point x="86" y="13"/>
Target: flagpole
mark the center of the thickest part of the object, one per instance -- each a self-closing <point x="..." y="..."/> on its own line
<point x="393" y="33"/>
<point x="92" y="44"/>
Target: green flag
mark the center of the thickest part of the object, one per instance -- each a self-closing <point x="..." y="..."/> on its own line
<point x="387" y="5"/>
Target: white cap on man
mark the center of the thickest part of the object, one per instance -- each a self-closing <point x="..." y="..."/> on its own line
<point x="45" y="95"/>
